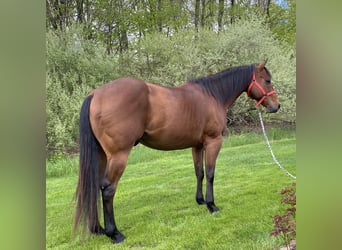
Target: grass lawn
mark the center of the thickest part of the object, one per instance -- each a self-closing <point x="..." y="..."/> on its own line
<point x="155" y="202"/>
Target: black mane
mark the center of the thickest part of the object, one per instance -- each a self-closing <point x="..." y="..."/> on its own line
<point x="226" y="84"/>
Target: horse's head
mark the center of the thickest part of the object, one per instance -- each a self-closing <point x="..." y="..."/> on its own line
<point x="261" y="89"/>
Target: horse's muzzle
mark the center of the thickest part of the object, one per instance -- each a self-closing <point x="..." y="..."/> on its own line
<point x="273" y="108"/>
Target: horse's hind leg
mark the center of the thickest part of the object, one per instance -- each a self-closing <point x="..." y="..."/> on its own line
<point x="115" y="167"/>
<point x="197" y="155"/>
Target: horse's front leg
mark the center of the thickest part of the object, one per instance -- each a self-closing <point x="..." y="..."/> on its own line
<point x="212" y="149"/>
<point x="197" y="155"/>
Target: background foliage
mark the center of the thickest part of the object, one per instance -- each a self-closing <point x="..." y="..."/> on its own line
<point x="165" y="42"/>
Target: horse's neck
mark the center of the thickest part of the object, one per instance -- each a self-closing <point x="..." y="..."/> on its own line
<point x="225" y="89"/>
<point x="238" y="90"/>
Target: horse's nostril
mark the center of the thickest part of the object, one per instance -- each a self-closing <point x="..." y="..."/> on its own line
<point x="273" y="108"/>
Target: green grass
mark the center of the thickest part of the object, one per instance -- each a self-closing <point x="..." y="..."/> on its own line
<point x="155" y="202"/>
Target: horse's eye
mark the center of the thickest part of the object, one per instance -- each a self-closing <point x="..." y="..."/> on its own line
<point x="268" y="81"/>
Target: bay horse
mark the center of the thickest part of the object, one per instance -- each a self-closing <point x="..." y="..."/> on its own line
<point x="120" y="114"/>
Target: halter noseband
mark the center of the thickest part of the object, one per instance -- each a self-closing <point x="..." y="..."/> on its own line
<point x="265" y="94"/>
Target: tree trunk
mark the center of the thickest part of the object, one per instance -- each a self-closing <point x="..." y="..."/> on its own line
<point x="232" y="11"/>
<point x="268" y="8"/>
<point x="123" y="42"/>
<point x="80" y="11"/>
<point x="203" y="13"/>
<point x="220" y="14"/>
<point x="197" y="11"/>
<point x="51" y="15"/>
<point x="211" y="6"/>
<point x="159" y="19"/>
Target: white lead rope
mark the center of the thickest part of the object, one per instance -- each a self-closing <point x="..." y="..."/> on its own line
<point x="269" y="147"/>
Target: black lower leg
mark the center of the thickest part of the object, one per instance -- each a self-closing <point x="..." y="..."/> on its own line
<point x="199" y="193"/>
<point x="110" y="227"/>
<point x="210" y="193"/>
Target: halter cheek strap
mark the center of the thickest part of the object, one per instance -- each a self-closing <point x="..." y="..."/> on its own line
<point x="264" y="93"/>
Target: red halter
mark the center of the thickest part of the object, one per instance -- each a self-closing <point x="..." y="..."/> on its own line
<point x="265" y="94"/>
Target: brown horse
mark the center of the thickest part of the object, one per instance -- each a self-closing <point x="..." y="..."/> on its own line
<point x="128" y="111"/>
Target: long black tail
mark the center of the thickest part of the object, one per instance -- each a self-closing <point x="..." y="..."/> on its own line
<point x="87" y="192"/>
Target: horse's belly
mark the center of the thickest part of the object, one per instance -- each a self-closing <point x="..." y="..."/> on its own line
<point x="169" y="141"/>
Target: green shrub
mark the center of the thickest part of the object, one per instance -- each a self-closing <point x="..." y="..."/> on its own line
<point x="74" y="60"/>
<point x="62" y="114"/>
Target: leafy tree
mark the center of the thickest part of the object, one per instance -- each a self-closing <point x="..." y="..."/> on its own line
<point x="117" y="23"/>
<point x="282" y="21"/>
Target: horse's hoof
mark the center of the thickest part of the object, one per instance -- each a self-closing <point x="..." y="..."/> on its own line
<point x="212" y="208"/>
<point x="118" y="238"/>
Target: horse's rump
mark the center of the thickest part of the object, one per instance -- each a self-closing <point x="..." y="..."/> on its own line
<point x="118" y="113"/>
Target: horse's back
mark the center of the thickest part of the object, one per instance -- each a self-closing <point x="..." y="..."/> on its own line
<point x="123" y="94"/>
<point x="121" y="86"/>
<point x="118" y="112"/>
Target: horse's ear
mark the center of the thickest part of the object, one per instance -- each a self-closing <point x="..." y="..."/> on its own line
<point x="261" y="66"/>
